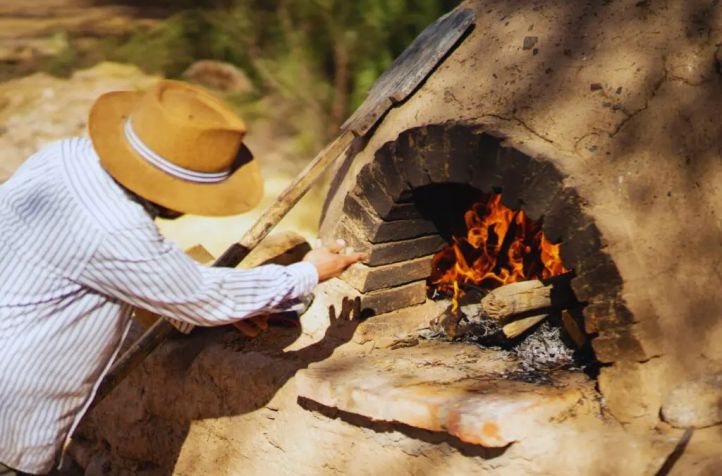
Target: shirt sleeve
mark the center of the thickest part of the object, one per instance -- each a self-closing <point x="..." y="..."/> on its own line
<point x="142" y="268"/>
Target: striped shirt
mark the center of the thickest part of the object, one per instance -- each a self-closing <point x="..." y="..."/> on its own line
<point x="75" y="255"/>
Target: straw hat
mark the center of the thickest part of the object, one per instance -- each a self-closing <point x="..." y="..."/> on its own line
<point x="177" y="146"/>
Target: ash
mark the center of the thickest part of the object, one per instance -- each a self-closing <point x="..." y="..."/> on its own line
<point x="545" y="349"/>
<point x="539" y="351"/>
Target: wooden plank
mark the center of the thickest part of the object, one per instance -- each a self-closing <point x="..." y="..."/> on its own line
<point x="411" y="68"/>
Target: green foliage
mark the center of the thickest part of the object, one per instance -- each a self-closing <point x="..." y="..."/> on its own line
<point x="63" y="62"/>
<point x="321" y="56"/>
<point x="164" y="48"/>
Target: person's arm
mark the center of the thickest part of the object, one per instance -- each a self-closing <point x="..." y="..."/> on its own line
<point x="141" y="268"/>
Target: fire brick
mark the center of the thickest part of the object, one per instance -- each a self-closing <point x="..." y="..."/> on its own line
<point x="406" y="158"/>
<point x="403" y="211"/>
<point x="515" y="169"/>
<point x="606" y="315"/>
<point x="386" y="300"/>
<point x="433" y="154"/>
<point x="380" y="231"/>
<point x="391" y="252"/>
<point x="486" y="175"/>
<point x="371" y="184"/>
<point x="394" y="181"/>
<point x="564" y="217"/>
<point x="462" y="143"/>
<point x="602" y="281"/>
<point x="459" y="167"/>
<point x="582" y="249"/>
<point x="366" y="278"/>
<point x="542" y="190"/>
<point x="618" y="345"/>
<point x="402" y="250"/>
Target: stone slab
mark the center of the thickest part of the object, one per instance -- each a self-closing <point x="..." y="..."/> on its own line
<point x="367" y="278"/>
<point x="377" y="230"/>
<point x="582" y="249"/>
<point x="564" y="215"/>
<point x="515" y="168"/>
<point x="613" y="345"/>
<point x="449" y="388"/>
<point x="605" y="315"/>
<point x="390" y="299"/>
<point x="407" y="160"/>
<point x="391" y="252"/>
<point x="372" y="186"/>
<point x="387" y="328"/>
<point x="402" y="211"/>
<point x="394" y="182"/>
<point x="603" y="281"/>
<point x="486" y="173"/>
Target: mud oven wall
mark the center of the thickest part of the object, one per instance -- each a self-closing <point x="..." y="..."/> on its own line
<point x="381" y="217"/>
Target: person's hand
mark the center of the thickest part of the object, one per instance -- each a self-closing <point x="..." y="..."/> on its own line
<point x="331" y="261"/>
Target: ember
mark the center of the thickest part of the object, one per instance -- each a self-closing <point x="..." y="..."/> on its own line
<point x="502" y="246"/>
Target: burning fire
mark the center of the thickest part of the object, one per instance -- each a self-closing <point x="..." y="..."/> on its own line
<point x="501" y="247"/>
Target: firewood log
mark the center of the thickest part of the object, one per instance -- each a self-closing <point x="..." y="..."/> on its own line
<point x="528" y="296"/>
<point x="517" y="328"/>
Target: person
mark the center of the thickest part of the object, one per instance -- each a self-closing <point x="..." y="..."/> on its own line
<point x="80" y="249"/>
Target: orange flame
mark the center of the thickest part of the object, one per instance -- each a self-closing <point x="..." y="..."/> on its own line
<point x="501" y="247"/>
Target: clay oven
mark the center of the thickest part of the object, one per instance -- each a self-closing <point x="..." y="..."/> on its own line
<point x="400" y="205"/>
<point x="608" y="140"/>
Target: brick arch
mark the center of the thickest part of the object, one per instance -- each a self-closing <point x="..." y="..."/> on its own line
<point x="380" y="218"/>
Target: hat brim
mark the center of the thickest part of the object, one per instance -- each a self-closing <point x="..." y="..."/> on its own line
<point x="240" y="192"/>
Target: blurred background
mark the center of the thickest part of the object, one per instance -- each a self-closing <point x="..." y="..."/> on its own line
<point x="293" y="69"/>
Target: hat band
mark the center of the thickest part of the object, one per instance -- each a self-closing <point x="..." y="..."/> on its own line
<point x="165" y="165"/>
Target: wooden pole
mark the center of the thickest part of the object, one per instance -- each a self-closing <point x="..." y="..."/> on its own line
<point x="287" y="200"/>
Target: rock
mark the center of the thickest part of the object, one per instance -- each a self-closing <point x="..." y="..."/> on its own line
<point x="529" y="42"/>
<point x="219" y="75"/>
<point x="696" y="403"/>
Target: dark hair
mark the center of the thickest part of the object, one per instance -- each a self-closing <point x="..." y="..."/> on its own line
<point x="152" y="208"/>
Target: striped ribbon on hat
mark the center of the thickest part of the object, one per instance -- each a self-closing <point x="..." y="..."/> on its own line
<point x="167" y="166"/>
